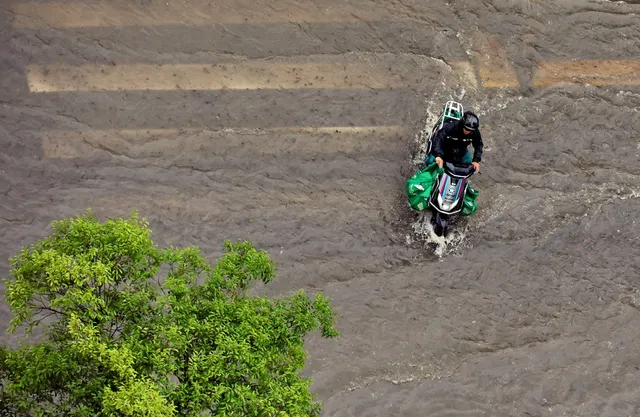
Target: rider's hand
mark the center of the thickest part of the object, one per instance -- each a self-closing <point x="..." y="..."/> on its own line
<point x="439" y="161"/>
<point x="476" y="166"/>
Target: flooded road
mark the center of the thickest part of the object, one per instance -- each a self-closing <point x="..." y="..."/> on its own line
<point x="295" y="123"/>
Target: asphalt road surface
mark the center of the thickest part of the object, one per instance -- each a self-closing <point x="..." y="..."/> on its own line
<point x="295" y="123"/>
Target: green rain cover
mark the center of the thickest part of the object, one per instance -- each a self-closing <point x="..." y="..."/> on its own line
<point x="420" y="185"/>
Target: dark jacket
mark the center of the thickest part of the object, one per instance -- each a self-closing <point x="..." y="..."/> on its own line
<point x="451" y="144"/>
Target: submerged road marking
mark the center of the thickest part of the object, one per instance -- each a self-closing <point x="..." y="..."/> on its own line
<point x="240" y="75"/>
<point x="492" y="62"/>
<point x="222" y="201"/>
<point x="113" y="14"/>
<point x="593" y="72"/>
<point x="256" y="75"/>
<point x="62" y="144"/>
<point x="465" y="72"/>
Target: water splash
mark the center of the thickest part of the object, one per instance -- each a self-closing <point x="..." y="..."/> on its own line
<point x="421" y="137"/>
<point x="423" y="231"/>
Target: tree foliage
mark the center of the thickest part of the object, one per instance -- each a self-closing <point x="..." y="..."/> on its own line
<point x="140" y="331"/>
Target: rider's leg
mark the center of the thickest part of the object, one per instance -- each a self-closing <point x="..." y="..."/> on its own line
<point x="467" y="159"/>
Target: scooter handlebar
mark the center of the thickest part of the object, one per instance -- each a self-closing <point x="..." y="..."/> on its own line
<point x="460" y="170"/>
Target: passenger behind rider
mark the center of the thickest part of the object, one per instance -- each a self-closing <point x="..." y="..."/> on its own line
<point x="451" y="142"/>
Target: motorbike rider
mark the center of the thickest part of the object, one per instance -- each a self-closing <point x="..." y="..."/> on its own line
<point x="451" y="142"/>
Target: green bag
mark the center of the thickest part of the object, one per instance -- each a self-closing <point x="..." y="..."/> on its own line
<point x="419" y="186"/>
<point x="469" y="205"/>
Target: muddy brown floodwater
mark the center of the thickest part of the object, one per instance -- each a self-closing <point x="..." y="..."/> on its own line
<point x="295" y="123"/>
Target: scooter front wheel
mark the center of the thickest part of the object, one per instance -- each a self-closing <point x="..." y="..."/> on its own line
<point x="440" y="225"/>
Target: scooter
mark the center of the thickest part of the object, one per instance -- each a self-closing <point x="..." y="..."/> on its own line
<point x="447" y="198"/>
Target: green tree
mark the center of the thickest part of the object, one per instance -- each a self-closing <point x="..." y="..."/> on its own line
<point x="123" y="342"/>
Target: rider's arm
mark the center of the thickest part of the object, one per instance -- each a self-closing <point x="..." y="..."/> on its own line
<point x="477" y="147"/>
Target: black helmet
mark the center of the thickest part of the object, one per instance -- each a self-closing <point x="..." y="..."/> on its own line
<point x="470" y="121"/>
